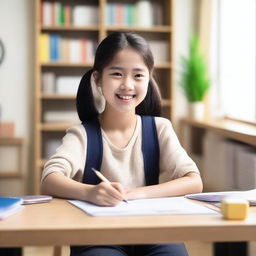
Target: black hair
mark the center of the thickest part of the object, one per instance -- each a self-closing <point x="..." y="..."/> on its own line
<point x="106" y="50"/>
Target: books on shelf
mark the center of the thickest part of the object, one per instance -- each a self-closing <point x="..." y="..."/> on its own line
<point x="67" y="84"/>
<point x="142" y="13"/>
<point x="48" y="82"/>
<point x="160" y="50"/>
<point x="60" y="85"/>
<point x="61" y="116"/>
<point x="60" y="113"/>
<point x="59" y="14"/>
<point x="53" y="47"/>
<point x="84" y="15"/>
<point x="9" y="206"/>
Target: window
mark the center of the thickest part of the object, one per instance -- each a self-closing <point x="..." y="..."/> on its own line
<point x="234" y="57"/>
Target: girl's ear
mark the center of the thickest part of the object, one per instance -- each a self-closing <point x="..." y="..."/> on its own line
<point x="96" y="77"/>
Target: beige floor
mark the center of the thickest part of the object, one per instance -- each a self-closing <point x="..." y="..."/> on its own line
<point x="194" y="249"/>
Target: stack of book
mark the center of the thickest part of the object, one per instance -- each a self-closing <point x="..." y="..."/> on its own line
<point x="9" y="206"/>
<point x="53" y="47"/>
<point x="58" y="14"/>
<point x="142" y="13"/>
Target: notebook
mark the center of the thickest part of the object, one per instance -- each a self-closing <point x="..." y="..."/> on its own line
<point x="216" y="197"/>
<point x="9" y="206"/>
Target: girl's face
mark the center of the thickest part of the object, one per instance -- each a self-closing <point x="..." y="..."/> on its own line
<point x="124" y="81"/>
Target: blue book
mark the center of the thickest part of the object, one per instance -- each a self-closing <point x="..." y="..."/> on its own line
<point x="9" y="205"/>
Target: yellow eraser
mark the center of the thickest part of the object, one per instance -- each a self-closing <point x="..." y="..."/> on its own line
<point x="234" y="208"/>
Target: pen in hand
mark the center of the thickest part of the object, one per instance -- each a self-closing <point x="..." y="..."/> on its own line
<point x="102" y="178"/>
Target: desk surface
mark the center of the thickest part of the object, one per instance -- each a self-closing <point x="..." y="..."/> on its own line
<point x="60" y="223"/>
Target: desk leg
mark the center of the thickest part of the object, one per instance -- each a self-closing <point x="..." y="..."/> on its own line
<point x="230" y="249"/>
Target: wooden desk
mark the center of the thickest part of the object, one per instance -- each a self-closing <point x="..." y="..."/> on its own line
<point x="60" y="223"/>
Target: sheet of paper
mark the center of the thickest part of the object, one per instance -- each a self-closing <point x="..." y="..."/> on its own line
<point x="152" y="206"/>
<point x="249" y="195"/>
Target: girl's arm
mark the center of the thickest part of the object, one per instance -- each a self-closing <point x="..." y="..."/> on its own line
<point x="190" y="183"/>
<point x="58" y="185"/>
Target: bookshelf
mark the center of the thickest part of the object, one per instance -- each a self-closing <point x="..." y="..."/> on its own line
<point x="67" y="29"/>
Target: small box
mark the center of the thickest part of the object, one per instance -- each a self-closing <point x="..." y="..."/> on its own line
<point x="234" y="208"/>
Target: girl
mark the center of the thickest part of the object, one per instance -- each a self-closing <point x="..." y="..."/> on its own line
<point x="122" y="76"/>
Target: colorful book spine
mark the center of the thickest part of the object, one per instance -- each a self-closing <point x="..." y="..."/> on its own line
<point x="46" y="13"/>
<point x="52" y="47"/>
<point x="44" y="47"/>
<point x="140" y="14"/>
<point x="67" y="15"/>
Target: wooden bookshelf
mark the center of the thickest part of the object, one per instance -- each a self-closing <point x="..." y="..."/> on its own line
<point x="163" y="69"/>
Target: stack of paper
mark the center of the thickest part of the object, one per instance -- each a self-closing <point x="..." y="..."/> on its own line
<point x="151" y="206"/>
<point x="215" y="197"/>
<point x="9" y="205"/>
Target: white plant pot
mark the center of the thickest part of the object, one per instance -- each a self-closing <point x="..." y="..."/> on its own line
<point x="196" y="110"/>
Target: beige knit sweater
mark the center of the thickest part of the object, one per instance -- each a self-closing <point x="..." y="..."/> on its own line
<point x="124" y="165"/>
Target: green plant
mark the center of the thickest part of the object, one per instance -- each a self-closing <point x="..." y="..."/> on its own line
<point x="194" y="78"/>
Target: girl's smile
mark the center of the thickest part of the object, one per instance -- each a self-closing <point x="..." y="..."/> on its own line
<point x="125" y="98"/>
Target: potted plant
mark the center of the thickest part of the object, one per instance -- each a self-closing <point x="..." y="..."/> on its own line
<point x="194" y="78"/>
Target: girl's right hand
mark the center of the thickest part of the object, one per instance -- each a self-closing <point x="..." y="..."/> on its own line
<point x="105" y="194"/>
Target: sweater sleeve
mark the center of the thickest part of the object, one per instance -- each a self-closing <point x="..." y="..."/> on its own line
<point x="69" y="158"/>
<point x="173" y="158"/>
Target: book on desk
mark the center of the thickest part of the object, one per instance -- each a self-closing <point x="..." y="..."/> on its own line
<point x="216" y="197"/>
<point x="9" y="206"/>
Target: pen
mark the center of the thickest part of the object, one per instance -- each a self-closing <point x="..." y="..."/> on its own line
<point x="103" y="178"/>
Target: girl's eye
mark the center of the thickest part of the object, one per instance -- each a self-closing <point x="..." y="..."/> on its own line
<point x="116" y="74"/>
<point x="138" y="75"/>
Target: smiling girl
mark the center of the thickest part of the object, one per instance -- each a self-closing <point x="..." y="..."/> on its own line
<point x="117" y="94"/>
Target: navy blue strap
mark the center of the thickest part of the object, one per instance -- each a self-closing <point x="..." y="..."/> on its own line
<point x="150" y="150"/>
<point x="94" y="151"/>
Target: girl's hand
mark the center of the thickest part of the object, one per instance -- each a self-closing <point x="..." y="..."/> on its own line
<point x="105" y="194"/>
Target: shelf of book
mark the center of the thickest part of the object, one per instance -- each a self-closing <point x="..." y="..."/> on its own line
<point x="62" y="27"/>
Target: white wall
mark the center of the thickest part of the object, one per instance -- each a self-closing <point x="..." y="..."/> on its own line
<point x="16" y="75"/>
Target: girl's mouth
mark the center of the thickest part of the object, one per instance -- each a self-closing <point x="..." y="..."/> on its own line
<point x="125" y="97"/>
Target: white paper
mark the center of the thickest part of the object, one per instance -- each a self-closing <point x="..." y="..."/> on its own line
<point x="249" y="195"/>
<point x="152" y="206"/>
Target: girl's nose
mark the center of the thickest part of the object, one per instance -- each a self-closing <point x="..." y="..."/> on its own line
<point x="127" y="83"/>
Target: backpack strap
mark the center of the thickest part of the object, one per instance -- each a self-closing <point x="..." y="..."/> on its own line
<point x="94" y="151"/>
<point x="150" y="150"/>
